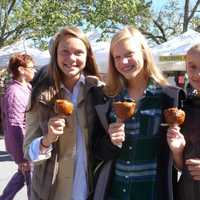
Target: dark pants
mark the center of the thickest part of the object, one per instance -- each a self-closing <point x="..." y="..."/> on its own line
<point x="15" y="184"/>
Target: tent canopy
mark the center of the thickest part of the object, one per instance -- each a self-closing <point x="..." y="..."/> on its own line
<point x="40" y="57"/>
<point x="101" y="51"/>
<point x="169" y="56"/>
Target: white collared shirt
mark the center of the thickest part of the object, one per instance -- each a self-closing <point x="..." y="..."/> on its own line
<point x="80" y="184"/>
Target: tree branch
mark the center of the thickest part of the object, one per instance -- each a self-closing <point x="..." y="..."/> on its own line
<point x="194" y="10"/>
<point x="159" y="26"/>
<point x="5" y="23"/>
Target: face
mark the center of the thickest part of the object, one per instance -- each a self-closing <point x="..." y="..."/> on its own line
<point x="128" y="58"/>
<point x="71" y="57"/>
<point x="193" y="69"/>
<point x="29" y="71"/>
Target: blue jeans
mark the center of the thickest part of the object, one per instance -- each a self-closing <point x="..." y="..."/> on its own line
<point x="15" y="184"/>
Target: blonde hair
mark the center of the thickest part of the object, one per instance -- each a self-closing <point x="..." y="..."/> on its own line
<point x="54" y="70"/>
<point x="195" y="48"/>
<point x="115" y="81"/>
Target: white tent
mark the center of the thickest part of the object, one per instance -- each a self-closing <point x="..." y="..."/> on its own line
<point x="40" y="57"/>
<point x="101" y="51"/>
<point x="169" y="56"/>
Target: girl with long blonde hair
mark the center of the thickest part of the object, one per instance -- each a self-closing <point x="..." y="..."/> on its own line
<point x="140" y="165"/>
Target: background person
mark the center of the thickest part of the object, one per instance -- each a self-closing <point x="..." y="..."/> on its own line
<point x="15" y="101"/>
<point x="185" y="145"/>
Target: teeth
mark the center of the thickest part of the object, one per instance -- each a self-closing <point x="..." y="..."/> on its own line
<point x="68" y="66"/>
<point x="128" y="68"/>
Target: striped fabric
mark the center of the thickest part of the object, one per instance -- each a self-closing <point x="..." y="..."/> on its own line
<point x="136" y="167"/>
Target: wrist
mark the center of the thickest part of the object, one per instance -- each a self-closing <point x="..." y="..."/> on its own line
<point x="178" y="153"/>
<point x="45" y="143"/>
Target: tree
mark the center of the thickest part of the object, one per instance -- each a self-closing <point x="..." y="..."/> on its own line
<point x="189" y="13"/>
<point x="40" y="19"/>
<point x="173" y="19"/>
<point x="110" y="15"/>
<point x="35" y="19"/>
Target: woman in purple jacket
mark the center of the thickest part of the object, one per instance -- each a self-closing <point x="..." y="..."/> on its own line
<point x="15" y="100"/>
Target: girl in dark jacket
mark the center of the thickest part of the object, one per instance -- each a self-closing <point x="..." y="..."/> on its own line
<point x="136" y="162"/>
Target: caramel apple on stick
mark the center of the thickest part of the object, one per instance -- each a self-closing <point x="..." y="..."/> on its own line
<point x="124" y="110"/>
<point x="174" y="116"/>
<point x="64" y="107"/>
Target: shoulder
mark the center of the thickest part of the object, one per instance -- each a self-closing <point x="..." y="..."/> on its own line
<point x="173" y="91"/>
<point x="12" y="90"/>
<point x="173" y="95"/>
<point x="45" y="96"/>
<point x="43" y="89"/>
<point x="96" y="90"/>
<point x="92" y="81"/>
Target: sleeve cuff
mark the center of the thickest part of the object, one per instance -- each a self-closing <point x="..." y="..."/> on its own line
<point x="34" y="151"/>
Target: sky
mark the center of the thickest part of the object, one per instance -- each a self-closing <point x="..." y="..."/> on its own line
<point x="157" y="4"/>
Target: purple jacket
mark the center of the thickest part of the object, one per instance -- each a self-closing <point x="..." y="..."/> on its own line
<point x="15" y="101"/>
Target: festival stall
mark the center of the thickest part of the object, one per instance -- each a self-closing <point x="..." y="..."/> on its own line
<point x="169" y="56"/>
<point x="40" y="57"/>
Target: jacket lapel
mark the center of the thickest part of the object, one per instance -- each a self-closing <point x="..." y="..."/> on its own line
<point x="101" y="112"/>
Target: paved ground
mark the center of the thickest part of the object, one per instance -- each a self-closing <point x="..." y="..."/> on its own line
<point x="7" y="169"/>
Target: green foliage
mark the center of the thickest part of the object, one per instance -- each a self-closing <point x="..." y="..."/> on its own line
<point x="40" y="19"/>
<point x="173" y="19"/>
<point x="4" y="79"/>
<point x="110" y="15"/>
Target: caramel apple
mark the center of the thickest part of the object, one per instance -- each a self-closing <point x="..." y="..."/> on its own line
<point x="196" y="93"/>
<point x="174" y="116"/>
<point x="63" y="107"/>
<point x="124" y="110"/>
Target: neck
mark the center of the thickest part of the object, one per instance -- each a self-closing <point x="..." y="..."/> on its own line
<point x="22" y="81"/>
<point x="70" y="83"/>
<point x="136" y="87"/>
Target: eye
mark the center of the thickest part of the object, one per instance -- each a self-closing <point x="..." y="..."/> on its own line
<point x="79" y="52"/>
<point x="129" y="54"/>
<point x="116" y="58"/>
<point x="64" y="52"/>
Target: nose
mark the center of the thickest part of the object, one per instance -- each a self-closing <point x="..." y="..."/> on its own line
<point x="125" y="60"/>
<point x="72" y="57"/>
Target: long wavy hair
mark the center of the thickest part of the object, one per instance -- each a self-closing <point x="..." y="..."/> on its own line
<point x="54" y="70"/>
<point x="115" y="81"/>
<point x="53" y="76"/>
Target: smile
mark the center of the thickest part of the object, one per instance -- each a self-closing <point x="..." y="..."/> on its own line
<point x="128" y="68"/>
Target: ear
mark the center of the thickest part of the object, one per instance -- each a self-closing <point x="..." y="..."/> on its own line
<point x="21" y="69"/>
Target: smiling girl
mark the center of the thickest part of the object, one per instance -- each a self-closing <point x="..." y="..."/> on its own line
<point x="59" y="148"/>
<point x="141" y="167"/>
<point x="185" y="145"/>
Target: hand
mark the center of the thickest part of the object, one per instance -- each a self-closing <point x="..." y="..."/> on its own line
<point x="56" y="127"/>
<point x="175" y="140"/>
<point x="193" y="166"/>
<point x="24" y="167"/>
<point x="117" y="133"/>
